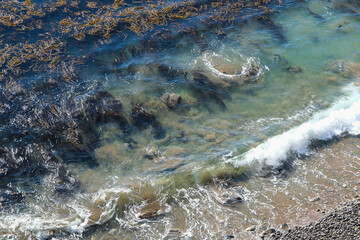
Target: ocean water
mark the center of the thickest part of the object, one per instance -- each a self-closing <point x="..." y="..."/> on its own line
<point x="265" y="132"/>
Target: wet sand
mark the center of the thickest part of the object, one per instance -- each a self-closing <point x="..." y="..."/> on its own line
<point x="332" y="208"/>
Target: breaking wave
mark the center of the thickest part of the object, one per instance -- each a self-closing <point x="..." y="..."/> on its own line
<point x="343" y="117"/>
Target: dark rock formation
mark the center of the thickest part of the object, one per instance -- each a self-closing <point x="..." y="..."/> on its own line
<point x="207" y="91"/>
<point x="143" y="118"/>
<point x="44" y="126"/>
<point x="169" y="72"/>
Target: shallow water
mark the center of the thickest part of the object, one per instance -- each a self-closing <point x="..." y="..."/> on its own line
<point x="246" y="149"/>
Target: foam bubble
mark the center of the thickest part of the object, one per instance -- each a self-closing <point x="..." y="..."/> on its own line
<point x="71" y="217"/>
<point x="342" y="117"/>
<point x="229" y="69"/>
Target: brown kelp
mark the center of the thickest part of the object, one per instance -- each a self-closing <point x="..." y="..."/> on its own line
<point x="99" y="21"/>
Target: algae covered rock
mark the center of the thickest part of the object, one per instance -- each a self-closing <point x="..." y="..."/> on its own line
<point x="143" y="118"/>
<point x="216" y="70"/>
<point x="294" y="69"/>
<point x="343" y="69"/>
<point x="48" y="135"/>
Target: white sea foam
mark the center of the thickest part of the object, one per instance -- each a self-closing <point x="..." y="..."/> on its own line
<point x="342" y="117"/>
<point x="43" y="220"/>
<point x="241" y="66"/>
<point x="41" y="224"/>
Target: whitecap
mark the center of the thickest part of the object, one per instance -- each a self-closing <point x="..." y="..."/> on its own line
<point x="343" y="117"/>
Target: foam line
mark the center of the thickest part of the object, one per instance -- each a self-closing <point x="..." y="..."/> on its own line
<point x="342" y="117"/>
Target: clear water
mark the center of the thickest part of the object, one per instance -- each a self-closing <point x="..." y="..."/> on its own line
<point x="183" y="183"/>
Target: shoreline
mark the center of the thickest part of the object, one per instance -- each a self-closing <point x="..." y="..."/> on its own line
<point x="334" y="214"/>
<point x="332" y="185"/>
<point x="341" y="223"/>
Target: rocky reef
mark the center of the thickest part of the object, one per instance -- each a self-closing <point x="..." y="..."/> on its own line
<point x="43" y="127"/>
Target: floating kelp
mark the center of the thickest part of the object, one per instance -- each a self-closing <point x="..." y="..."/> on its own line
<point x="97" y="18"/>
<point x="44" y="55"/>
<point x="97" y="21"/>
<point x="145" y="18"/>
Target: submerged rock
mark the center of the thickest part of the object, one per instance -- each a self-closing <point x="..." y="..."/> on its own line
<point x="231" y="198"/>
<point x="171" y="99"/>
<point x="279" y="59"/>
<point x="315" y="15"/>
<point x="169" y="72"/>
<point x="294" y="69"/>
<point x="174" y="234"/>
<point x="284" y="64"/>
<point x="143" y="118"/>
<point x="227" y="193"/>
<point x="337" y="66"/>
<point x="343" y="69"/>
<point x="151" y="154"/>
<point x="152" y="211"/>
<point x="149" y="215"/>
<point x="275" y="29"/>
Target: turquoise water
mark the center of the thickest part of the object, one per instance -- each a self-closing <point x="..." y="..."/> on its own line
<point x="278" y="101"/>
<point x="182" y="178"/>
